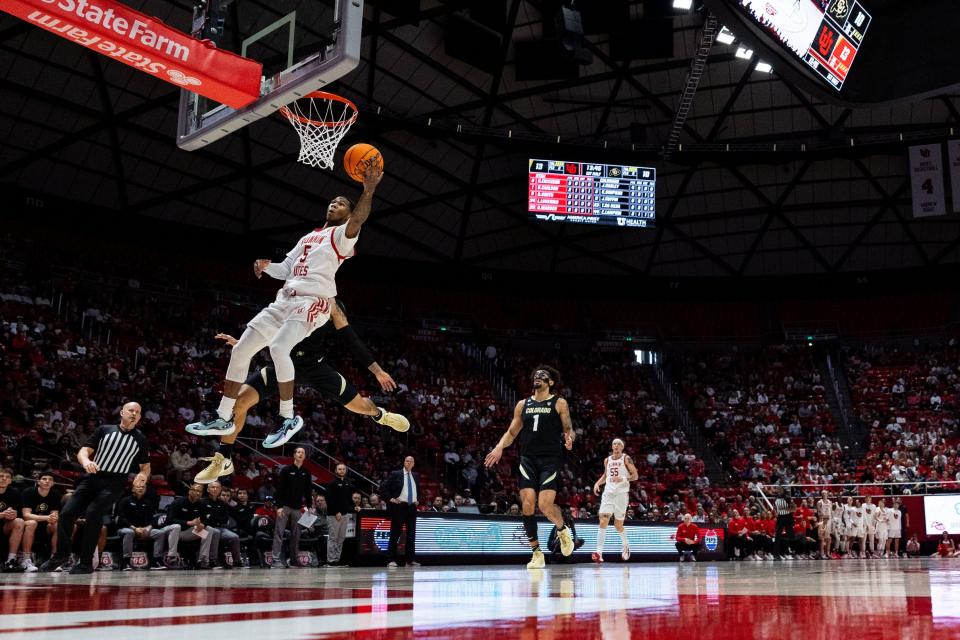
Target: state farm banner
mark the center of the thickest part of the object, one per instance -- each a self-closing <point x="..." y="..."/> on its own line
<point x="926" y="177"/>
<point x="146" y="44"/>
<point x="953" y="162"/>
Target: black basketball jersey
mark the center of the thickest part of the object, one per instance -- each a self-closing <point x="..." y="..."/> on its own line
<point x="542" y="433"/>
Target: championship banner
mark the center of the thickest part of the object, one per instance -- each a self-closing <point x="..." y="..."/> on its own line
<point x="953" y="162"/>
<point x="146" y="44"/>
<point x="926" y="177"/>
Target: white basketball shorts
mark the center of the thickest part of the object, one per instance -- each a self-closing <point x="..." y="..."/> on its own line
<point x="615" y="504"/>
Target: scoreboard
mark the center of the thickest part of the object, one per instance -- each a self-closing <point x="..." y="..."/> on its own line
<point x="591" y="193"/>
<point x="825" y="34"/>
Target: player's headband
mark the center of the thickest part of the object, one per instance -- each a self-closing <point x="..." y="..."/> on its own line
<point x="616" y="440"/>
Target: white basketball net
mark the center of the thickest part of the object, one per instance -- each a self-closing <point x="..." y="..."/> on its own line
<point x="321" y="122"/>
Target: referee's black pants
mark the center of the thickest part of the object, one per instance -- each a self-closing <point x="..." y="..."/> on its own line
<point x="92" y="500"/>
<point x="784" y="534"/>
<point x="402" y="514"/>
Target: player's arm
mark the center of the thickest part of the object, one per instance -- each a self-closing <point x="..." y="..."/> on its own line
<point x="507" y="438"/>
<point x="144" y="473"/>
<point x="358" y="349"/>
<point x="83" y="457"/>
<point x="226" y="337"/>
<point x="278" y="270"/>
<point x="27" y="513"/>
<point x="371" y="178"/>
<point x="569" y="435"/>
<point x="602" y="480"/>
<point x="633" y="475"/>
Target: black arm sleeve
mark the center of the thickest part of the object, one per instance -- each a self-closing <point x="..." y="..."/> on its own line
<point x="358" y="350"/>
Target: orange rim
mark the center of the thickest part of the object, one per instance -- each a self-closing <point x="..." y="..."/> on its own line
<point x="322" y="95"/>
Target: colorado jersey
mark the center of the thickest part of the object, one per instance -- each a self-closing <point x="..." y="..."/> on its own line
<point x="309" y="268"/>
<point x="542" y="432"/>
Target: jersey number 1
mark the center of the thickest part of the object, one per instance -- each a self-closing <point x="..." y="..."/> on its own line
<point x="536" y="419"/>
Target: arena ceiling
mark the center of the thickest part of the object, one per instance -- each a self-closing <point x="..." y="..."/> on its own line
<point x="833" y="197"/>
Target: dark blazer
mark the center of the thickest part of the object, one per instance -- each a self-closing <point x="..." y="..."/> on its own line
<point x="393" y="485"/>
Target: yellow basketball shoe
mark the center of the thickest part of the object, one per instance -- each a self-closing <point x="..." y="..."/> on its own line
<point x="537" y="561"/>
<point x="219" y="466"/>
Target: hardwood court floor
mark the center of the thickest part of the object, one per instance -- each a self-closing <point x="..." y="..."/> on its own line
<point x="805" y="600"/>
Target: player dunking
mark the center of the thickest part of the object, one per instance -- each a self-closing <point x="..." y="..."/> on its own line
<point x="618" y="472"/>
<point x="313" y="370"/>
<point x="543" y="423"/>
<point x="302" y="305"/>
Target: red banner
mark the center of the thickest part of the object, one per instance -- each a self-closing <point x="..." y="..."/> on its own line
<point x="147" y="44"/>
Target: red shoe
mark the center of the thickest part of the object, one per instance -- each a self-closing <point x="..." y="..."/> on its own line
<point x="596" y="557"/>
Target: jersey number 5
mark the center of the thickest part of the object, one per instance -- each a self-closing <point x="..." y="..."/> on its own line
<point x="306" y="250"/>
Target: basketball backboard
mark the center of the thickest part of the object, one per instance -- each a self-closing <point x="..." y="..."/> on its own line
<point x="302" y="44"/>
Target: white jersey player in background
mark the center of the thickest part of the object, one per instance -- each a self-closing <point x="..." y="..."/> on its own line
<point x="853" y="516"/>
<point x="839" y="528"/>
<point x="895" y="527"/>
<point x="869" y="528"/>
<point x="883" y="524"/>
<point x="824" y="523"/>
<point x="302" y="305"/>
<point x="618" y="472"/>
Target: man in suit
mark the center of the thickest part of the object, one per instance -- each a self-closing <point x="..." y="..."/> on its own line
<point x="402" y="490"/>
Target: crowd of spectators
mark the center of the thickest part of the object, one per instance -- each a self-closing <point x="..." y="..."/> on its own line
<point x="906" y="397"/>
<point x="765" y="413"/>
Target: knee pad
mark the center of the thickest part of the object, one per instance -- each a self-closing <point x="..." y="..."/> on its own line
<point x="530" y="527"/>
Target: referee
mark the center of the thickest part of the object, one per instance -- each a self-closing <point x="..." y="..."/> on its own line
<point x="784" y="525"/>
<point x="114" y="449"/>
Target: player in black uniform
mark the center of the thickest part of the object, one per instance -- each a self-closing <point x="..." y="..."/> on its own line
<point x="543" y="423"/>
<point x="312" y="371"/>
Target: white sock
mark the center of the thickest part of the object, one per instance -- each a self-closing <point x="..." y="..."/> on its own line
<point x="12" y="556"/>
<point x="225" y="410"/>
<point x="623" y="536"/>
<point x="286" y="408"/>
<point x="601" y="538"/>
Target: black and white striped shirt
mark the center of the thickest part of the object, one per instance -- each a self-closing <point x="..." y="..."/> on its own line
<point x="115" y="451"/>
<point x="783" y="507"/>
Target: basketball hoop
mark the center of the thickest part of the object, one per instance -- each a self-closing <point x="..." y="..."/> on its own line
<point x="321" y="122"/>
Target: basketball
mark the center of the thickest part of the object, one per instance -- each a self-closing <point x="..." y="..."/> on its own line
<point x="356" y="159"/>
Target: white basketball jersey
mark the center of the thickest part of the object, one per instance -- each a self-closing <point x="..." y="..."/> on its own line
<point x="869" y="514"/>
<point x="316" y="258"/>
<point x="893" y="519"/>
<point x="824" y="509"/>
<point x="851" y="514"/>
<point x="617" y="468"/>
<point x="882" y="517"/>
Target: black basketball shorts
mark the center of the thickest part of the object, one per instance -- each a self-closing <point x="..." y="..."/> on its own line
<point x="321" y="377"/>
<point x="539" y="473"/>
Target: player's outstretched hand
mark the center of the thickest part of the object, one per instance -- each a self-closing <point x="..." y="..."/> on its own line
<point x="372" y="175"/>
<point x="493" y="457"/>
<point x="567" y="441"/>
<point x="259" y="266"/>
<point x="226" y="337"/>
<point x="386" y="381"/>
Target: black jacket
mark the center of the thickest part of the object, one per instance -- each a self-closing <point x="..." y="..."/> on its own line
<point x="243" y="515"/>
<point x="136" y="512"/>
<point x="182" y="511"/>
<point x="293" y="487"/>
<point x="214" y="513"/>
<point x="393" y="485"/>
<point x="339" y="497"/>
